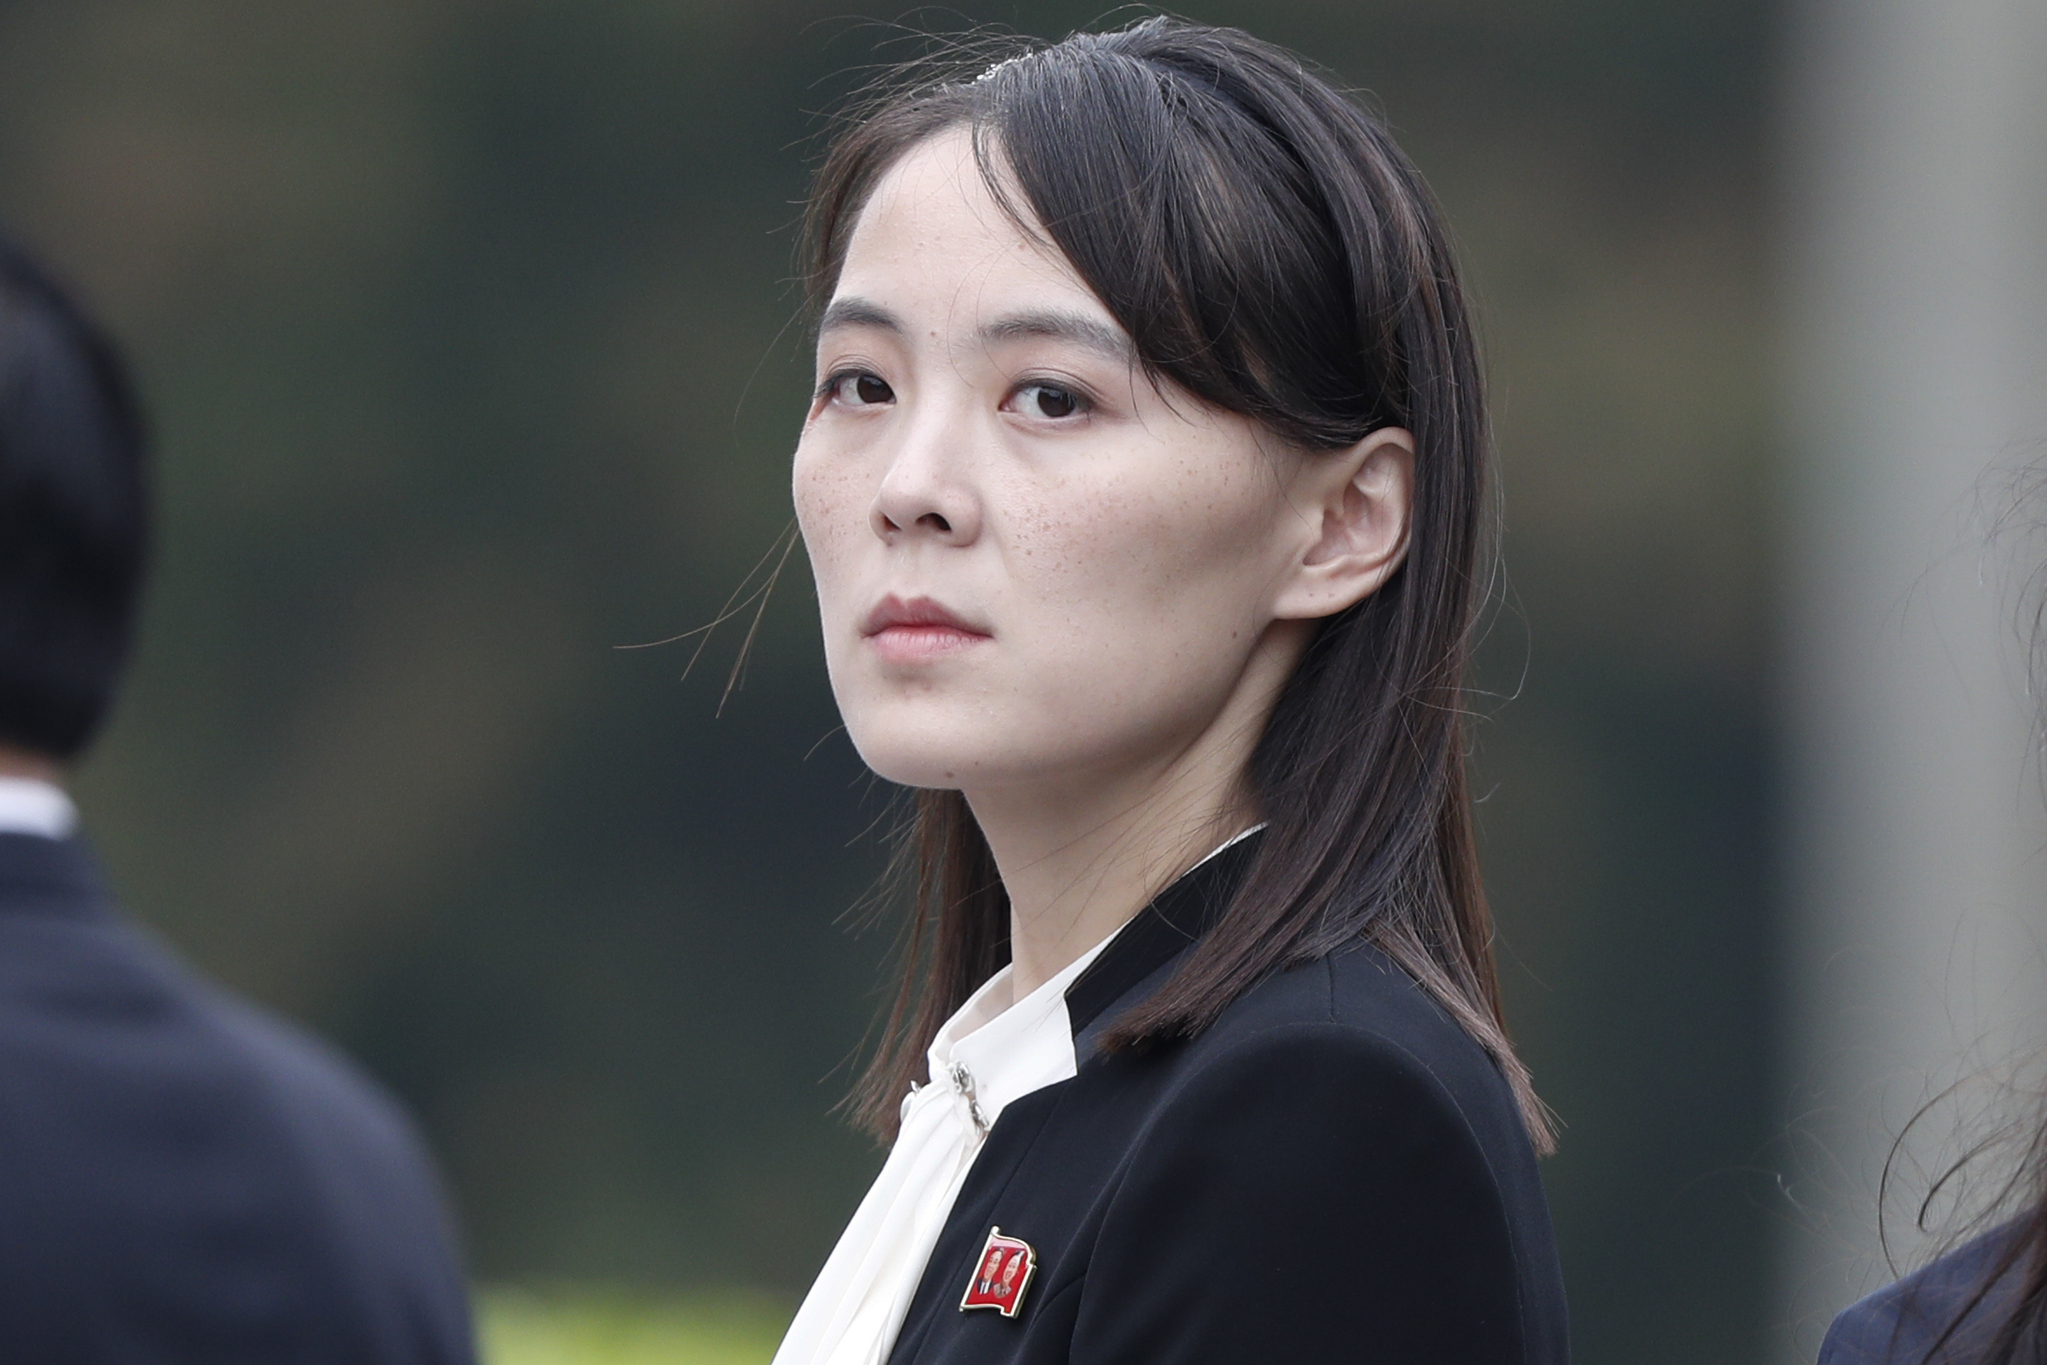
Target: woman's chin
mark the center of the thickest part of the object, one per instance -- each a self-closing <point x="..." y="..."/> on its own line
<point x="915" y="752"/>
<point x="915" y="767"/>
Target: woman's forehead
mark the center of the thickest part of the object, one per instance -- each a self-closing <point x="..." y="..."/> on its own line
<point x="934" y="240"/>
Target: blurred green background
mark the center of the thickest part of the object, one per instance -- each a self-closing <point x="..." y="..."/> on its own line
<point x="467" y="328"/>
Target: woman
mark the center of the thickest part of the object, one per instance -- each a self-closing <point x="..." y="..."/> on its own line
<point x="1985" y="1301"/>
<point x="1144" y="489"/>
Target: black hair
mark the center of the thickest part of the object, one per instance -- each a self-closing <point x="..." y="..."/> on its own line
<point x="1270" y="251"/>
<point x="73" y="515"/>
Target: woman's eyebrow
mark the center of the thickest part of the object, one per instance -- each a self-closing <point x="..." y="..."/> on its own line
<point x="854" y="311"/>
<point x="1057" y="325"/>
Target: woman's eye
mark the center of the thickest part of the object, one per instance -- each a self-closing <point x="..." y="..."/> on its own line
<point x="861" y="390"/>
<point x="1050" y="400"/>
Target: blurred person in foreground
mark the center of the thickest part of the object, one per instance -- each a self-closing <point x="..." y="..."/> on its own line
<point x="182" y="1178"/>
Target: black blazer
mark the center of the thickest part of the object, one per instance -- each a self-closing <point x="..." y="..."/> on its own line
<point x="185" y="1179"/>
<point x="1899" y="1324"/>
<point x="1333" y="1172"/>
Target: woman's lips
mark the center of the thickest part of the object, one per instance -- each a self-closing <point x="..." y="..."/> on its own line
<point x="917" y="628"/>
<point x="921" y="642"/>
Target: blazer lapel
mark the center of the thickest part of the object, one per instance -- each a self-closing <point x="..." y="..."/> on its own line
<point x="1138" y="960"/>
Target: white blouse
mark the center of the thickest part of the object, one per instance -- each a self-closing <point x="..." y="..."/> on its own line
<point x="29" y="806"/>
<point x="988" y="1055"/>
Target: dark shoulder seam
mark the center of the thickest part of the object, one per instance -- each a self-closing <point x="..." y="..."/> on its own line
<point x="1380" y="1040"/>
<point x="1515" y="1235"/>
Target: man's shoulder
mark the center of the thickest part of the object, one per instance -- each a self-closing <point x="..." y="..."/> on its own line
<point x="88" y="999"/>
<point x="112" y="1047"/>
<point x="315" y="1088"/>
<point x="171" y="1143"/>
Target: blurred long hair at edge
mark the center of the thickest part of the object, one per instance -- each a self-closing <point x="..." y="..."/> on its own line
<point x="2003" y="1318"/>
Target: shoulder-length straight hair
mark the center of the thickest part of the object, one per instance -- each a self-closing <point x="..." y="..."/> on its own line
<point x="1270" y="251"/>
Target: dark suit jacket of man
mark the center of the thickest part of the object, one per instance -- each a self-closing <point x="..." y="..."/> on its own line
<point x="1899" y="1324"/>
<point x="184" y="1179"/>
<point x="1333" y="1172"/>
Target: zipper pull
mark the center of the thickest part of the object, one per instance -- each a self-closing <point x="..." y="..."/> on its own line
<point x="963" y="1081"/>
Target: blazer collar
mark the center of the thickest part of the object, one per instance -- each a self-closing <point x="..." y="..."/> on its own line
<point x="1163" y="930"/>
<point x="50" y="876"/>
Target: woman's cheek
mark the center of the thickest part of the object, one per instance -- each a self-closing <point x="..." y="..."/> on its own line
<point x="824" y="512"/>
<point x="819" y="520"/>
<point x="1135" y="559"/>
<point x="804" y="486"/>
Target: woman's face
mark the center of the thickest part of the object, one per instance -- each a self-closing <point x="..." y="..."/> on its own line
<point x="1032" y="565"/>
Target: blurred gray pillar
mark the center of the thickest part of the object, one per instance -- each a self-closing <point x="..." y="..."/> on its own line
<point x="1915" y="370"/>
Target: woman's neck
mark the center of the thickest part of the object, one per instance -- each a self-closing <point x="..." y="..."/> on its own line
<point x="1073" y="882"/>
<point x="21" y="763"/>
<point x="1080" y="855"/>
<point x="1079" y="859"/>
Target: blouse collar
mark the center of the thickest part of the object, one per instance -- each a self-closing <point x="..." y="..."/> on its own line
<point x="994" y="1052"/>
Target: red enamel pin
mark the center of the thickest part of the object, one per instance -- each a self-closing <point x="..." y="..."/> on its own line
<point x="1001" y="1275"/>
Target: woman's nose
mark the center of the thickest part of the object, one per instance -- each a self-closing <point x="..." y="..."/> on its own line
<point x="927" y="490"/>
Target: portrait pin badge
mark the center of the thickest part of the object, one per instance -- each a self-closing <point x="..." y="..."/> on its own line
<point x="1002" y="1272"/>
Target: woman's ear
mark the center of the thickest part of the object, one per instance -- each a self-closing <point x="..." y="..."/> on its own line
<point x="1364" y="497"/>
